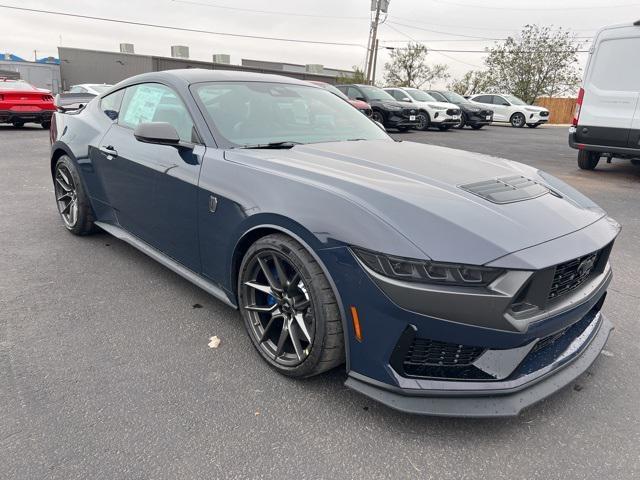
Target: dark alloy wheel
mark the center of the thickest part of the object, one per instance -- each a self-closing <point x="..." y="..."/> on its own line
<point x="517" y="120"/>
<point x="423" y="121"/>
<point x="289" y="308"/>
<point x="376" y="116"/>
<point x="73" y="204"/>
<point x="462" y="122"/>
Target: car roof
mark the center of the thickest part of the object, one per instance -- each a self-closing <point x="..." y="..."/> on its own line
<point x="190" y="76"/>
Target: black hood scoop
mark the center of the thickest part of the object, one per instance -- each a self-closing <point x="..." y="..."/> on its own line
<point x="506" y="189"/>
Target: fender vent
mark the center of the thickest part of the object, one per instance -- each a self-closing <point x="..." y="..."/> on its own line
<point x="506" y="189"/>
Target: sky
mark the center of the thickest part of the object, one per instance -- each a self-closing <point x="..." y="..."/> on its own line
<point x="439" y="24"/>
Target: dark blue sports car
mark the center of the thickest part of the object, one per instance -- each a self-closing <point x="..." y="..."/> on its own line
<point x="451" y="283"/>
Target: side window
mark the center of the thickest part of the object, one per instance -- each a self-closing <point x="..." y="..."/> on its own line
<point x="498" y="100"/>
<point x="353" y="93"/>
<point x="154" y="102"/>
<point x="397" y="94"/>
<point x="110" y="104"/>
<point x="483" y="99"/>
<point x="617" y="55"/>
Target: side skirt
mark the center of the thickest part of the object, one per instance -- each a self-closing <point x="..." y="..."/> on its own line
<point x="168" y="262"/>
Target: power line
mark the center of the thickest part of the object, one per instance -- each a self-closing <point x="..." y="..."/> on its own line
<point x="444" y="33"/>
<point x="266" y="12"/>
<point x="181" y="29"/>
<point x="485" y="7"/>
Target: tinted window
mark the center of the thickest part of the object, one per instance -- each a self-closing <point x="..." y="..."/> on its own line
<point x="257" y="113"/>
<point x="498" y="100"/>
<point x="515" y="100"/>
<point x="153" y="102"/>
<point x="438" y="96"/>
<point x="375" y="93"/>
<point x="454" y="97"/>
<point x="616" y="65"/>
<point x="353" y="93"/>
<point x="397" y="94"/>
<point x="483" y="99"/>
<point x="110" y="104"/>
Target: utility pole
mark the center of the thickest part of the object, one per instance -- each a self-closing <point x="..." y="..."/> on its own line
<point x="380" y="6"/>
<point x="375" y="63"/>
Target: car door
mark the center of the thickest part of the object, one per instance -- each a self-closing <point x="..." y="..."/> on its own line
<point x="153" y="187"/>
<point x="501" y="108"/>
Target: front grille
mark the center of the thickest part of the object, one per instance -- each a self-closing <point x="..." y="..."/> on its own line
<point x="544" y="114"/>
<point x="453" y="111"/>
<point x="506" y="189"/>
<point x="408" y="111"/>
<point x="570" y="275"/>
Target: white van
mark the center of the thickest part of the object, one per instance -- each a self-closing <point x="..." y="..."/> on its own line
<point x="606" y="122"/>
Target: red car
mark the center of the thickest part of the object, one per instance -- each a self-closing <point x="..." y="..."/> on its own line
<point x="364" y="107"/>
<point x="21" y="102"/>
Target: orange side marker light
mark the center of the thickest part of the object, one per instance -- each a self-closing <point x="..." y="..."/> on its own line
<point x="356" y="323"/>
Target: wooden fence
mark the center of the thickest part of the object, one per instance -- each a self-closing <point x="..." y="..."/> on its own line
<point x="561" y="108"/>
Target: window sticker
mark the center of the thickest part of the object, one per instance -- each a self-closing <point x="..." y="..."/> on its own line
<point x="143" y="104"/>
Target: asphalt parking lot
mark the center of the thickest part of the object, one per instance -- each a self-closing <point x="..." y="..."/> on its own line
<point x="105" y="370"/>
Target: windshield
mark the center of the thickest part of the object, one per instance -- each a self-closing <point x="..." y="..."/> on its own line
<point x="100" y="88"/>
<point x="375" y="93"/>
<point x="419" y="95"/>
<point x="260" y="113"/>
<point x="21" y="86"/>
<point x="335" y="91"/>
<point x="454" y="97"/>
<point x="515" y="100"/>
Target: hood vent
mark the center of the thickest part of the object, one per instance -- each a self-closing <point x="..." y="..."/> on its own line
<point x="506" y="189"/>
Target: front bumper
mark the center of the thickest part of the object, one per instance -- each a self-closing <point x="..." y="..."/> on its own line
<point x="536" y="118"/>
<point x="11" y="116"/>
<point x="502" y="399"/>
<point x="473" y="118"/>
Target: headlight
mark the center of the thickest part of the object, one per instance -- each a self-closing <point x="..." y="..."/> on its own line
<point x="426" y="271"/>
<point x="435" y="107"/>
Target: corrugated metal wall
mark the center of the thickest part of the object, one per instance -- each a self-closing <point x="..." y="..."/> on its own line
<point x="41" y="75"/>
<point x="93" y="66"/>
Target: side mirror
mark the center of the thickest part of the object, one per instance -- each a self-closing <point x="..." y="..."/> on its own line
<point x="406" y="99"/>
<point x="162" y="133"/>
<point x="506" y="104"/>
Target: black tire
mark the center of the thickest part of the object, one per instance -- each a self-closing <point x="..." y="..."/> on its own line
<point x="588" y="160"/>
<point x="444" y="128"/>
<point x="18" y="124"/>
<point x="324" y="348"/>
<point x="461" y="124"/>
<point x="46" y="125"/>
<point x="67" y="189"/>
<point x="477" y="127"/>
<point x="377" y="116"/>
<point x="423" y="121"/>
<point x="533" y="125"/>
<point x="517" y="120"/>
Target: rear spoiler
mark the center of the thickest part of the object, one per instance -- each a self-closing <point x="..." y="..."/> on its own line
<point x="68" y="102"/>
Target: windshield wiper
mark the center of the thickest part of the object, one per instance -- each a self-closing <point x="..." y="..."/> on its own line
<point x="275" y="145"/>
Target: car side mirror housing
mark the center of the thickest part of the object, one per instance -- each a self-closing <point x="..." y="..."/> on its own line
<point x="162" y="133"/>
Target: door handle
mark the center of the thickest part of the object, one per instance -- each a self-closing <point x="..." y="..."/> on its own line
<point x="109" y="151"/>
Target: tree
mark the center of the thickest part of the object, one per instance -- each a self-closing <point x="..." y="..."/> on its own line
<point x="540" y="62"/>
<point x="357" y="76"/>
<point x="408" y="68"/>
<point x="472" y="82"/>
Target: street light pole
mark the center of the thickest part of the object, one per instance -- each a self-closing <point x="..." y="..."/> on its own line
<point x="373" y="41"/>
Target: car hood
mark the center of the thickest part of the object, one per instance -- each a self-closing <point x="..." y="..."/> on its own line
<point x="415" y="188"/>
<point x="442" y="105"/>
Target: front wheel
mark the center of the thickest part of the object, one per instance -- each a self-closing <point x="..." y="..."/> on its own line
<point x="517" y="120"/>
<point x="73" y="202"/>
<point x="461" y="123"/>
<point x="423" y="121"/>
<point x="588" y="160"/>
<point x="376" y="116"/>
<point x="289" y="308"/>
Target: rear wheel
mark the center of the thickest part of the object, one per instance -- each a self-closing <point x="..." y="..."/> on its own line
<point x="517" y="120"/>
<point x="73" y="202"/>
<point x="289" y="308"/>
<point x="377" y="116"/>
<point x="18" y="124"/>
<point x="588" y="160"/>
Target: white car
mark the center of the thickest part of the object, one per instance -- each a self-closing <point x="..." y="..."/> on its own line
<point x="431" y="112"/>
<point x="606" y="122"/>
<point x="90" y="88"/>
<point x="510" y="109"/>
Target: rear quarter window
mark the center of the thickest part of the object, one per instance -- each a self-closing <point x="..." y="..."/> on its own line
<point x="616" y="66"/>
